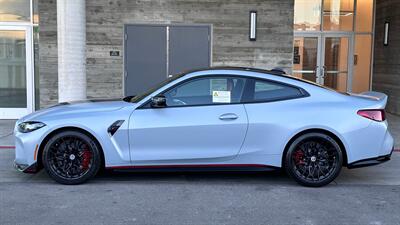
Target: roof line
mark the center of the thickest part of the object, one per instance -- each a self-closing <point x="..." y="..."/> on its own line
<point x="274" y="72"/>
<point x="259" y="70"/>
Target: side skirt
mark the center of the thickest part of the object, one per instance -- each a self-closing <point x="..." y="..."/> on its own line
<point x="195" y="168"/>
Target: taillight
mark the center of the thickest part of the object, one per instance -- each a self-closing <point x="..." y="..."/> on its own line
<point x="373" y="114"/>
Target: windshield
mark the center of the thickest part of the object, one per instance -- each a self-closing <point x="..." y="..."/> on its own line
<point x="141" y="96"/>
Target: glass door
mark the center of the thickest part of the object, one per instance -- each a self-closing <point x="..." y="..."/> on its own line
<point x="335" y="61"/>
<point x="16" y="79"/>
<point x="306" y="59"/>
<point x="324" y="59"/>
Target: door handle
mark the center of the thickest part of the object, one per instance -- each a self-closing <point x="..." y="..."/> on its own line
<point x="228" y="116"/>
<point x="316" y="71"/>
<point x="323" y="72"/>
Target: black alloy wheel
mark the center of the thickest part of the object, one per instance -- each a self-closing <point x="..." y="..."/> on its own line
<point x="314" y="159"/>
<point x="71" y="157"/>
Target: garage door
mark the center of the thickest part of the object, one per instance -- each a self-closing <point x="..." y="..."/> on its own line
<point x="154" y="52"/>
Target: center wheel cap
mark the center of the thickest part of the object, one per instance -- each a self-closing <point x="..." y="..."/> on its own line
<point x="72" y="157"/>
<point x="313" y="158"/>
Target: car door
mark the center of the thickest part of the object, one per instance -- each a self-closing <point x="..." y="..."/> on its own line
<point x="203" y="121"/>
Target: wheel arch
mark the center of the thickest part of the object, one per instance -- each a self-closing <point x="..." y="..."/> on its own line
<point x="318" y="130"/>
<point x="68" y="128"/>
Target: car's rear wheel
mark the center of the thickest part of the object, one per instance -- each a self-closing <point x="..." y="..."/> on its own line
<point x="314" y="159"/>
<point x="71" y="157"/>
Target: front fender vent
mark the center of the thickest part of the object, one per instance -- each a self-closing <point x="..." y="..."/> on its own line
<point x="114" y="127"/>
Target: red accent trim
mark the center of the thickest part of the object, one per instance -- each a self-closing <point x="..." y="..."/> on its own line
<point x="87" y="155"/>
<point x="397" y="150"/>
<point x="187" y="166"/>
<point x="298" y="157"/>
<point x="7" y="147"/>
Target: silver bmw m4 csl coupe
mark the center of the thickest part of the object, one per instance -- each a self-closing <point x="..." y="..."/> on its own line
<point x="217" y="118"/>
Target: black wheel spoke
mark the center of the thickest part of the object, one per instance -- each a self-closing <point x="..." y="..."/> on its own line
<point x="67" y="157"/>
<point x="318" y="159"/>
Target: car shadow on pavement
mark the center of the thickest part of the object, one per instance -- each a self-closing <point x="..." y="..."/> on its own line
<point x="239" y="177"/>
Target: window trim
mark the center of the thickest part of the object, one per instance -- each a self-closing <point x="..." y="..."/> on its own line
<point x="303" y="92"/>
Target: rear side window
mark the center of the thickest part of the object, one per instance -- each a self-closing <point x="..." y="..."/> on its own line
<point x="262" y="91"/>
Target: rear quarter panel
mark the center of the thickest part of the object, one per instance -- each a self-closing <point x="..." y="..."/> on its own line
<point x="273" y="124"/>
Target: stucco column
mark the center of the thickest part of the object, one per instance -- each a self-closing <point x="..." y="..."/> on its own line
<point x="71" y="35"/>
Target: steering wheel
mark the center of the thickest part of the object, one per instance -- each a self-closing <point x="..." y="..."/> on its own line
<point x="179" y="102"/>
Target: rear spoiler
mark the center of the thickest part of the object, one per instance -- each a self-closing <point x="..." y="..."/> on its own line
<point x="380" y="97"/>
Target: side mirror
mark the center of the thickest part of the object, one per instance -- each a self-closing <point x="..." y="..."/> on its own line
<point x="158" y="101"/>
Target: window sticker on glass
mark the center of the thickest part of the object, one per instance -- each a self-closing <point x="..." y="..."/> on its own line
<point x="221" y="97"/>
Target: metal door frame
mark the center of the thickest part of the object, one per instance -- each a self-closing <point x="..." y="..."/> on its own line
<point x="350" y="57"/>
<point x="321" y="36"/>
<point x="319" y="49"/>
<point x="13" y="113"/>
<point x="166" y="25"/>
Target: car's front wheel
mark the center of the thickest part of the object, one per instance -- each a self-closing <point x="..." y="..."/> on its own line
<point x="71" y="157"/>
<point x="314" y="159"/>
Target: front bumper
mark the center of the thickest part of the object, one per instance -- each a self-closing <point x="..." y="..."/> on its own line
<point x="27" y="149"/>
<point x="26" y="168"/>
<point x="371" y="161"/>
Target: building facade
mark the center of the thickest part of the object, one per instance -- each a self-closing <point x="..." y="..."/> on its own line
<point x="130" y="45"/>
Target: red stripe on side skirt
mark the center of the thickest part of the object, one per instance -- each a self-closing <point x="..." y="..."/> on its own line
<point x="7" y="147"/>
<point x="187" y="166"/>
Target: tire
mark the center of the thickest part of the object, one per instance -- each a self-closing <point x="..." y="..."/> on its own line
<point x="71" y="157"/>
<point x="314" y="159"/>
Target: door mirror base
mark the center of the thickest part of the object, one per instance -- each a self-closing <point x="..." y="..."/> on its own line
<point x="158" y="101"/>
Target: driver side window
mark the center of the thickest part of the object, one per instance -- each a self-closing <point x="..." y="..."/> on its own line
<point x="206" y="91"/>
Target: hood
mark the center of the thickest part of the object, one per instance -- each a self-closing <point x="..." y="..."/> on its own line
<point x="76" y="107"/>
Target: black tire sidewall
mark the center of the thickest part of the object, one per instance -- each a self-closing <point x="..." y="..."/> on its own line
<point x="289" y="163"/>
<point x="96" y="164"/>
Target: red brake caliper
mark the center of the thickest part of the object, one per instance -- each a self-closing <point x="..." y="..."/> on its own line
<point x="87" y="155"/>
<point x="298" y="157"/>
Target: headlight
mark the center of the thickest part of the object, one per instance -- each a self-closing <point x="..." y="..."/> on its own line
<point x="30" y="126"/>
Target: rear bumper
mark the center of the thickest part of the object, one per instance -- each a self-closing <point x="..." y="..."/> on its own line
<point x="371" y="161"/>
